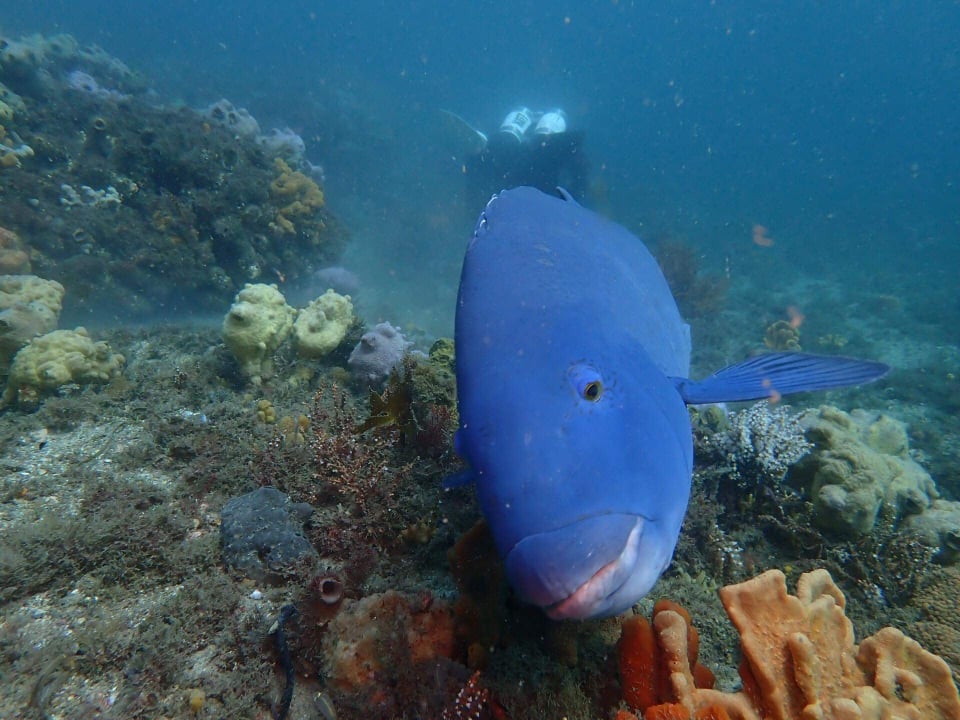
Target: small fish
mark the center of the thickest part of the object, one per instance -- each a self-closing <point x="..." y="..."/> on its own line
<point x="572" y="365"/>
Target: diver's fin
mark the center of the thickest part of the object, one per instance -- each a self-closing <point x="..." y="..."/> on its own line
<point x="776" y="374"/>
<point x="459" y="136"/>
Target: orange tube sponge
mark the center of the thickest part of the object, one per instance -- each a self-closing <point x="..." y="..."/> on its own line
<point x="639" y="663"/>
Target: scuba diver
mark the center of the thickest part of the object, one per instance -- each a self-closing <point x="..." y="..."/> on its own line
<point x="529" y="148"/>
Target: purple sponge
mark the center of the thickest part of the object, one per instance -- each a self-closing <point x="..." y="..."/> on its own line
<point x="379" y="351"/>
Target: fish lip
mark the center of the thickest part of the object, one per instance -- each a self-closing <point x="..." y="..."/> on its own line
<point x="595" y="588"/>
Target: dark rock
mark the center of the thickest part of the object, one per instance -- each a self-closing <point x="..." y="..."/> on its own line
<point x="262" y="536"/>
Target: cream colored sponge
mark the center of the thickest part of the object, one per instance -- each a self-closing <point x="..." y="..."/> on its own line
<point x="57" y="358"/>
<point x="29" y="306"/>
<point x="322" y="325"/>
<point x="258" y="322"/>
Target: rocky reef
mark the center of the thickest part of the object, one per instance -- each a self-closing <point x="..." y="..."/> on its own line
<point x="141" y="208"/>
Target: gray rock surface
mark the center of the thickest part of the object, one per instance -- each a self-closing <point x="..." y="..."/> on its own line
<point x="262" y="536"/>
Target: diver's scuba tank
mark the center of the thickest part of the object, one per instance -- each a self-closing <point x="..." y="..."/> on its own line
<point x="551" y="123"/>
<point x="517" y="122"/>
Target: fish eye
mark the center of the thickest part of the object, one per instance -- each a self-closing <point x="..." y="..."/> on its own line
<point x="586" y="381"/>
<point x="592" y="391"/>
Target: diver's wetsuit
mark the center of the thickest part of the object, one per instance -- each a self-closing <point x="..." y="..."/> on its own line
<point x="543" y="161"/>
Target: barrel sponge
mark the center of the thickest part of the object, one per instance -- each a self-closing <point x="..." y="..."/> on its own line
<point x="258" y="322"/>
<point x="57" y="358"/>
<point x="322" y="325"/>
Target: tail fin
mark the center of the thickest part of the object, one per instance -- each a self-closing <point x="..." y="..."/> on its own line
<point x="776" y="374"/>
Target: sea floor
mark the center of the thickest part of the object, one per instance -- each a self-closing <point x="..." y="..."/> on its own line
<point x="117" y="602"/>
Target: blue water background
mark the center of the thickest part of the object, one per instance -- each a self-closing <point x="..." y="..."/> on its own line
<point x="834" y="124"/>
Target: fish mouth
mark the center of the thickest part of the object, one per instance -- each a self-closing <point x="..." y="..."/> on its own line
<point x="605" y="583"/>
<point x="597" y="566"/>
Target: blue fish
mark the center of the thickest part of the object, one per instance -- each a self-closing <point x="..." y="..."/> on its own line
<point x="572" y="365"/>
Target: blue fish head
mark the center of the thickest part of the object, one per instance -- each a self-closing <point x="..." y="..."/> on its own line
<point x="583" y="473"/>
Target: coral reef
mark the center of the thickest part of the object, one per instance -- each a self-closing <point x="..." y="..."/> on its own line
<point x="645" y="664"/>
<point x="938" y="627"/>
<point x="419" y="400"/>
<point x="10" y="104"/>
<point x="285" y="144"/>
<point x="50" y="361"/>
<point x="323" y="324"/>
<point x="258" y="322"/>
<point x="799" y="660"/>
<point x="12" y="149"/>
<point x="379" y="351"/>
